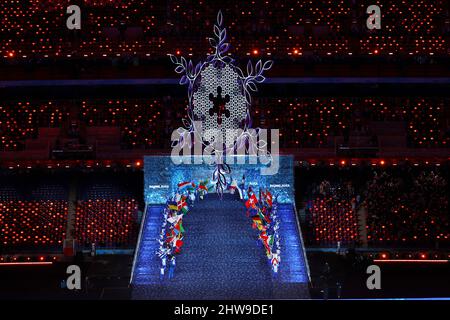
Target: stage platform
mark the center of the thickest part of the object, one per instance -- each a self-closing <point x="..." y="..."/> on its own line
<point x="221" y="258"/>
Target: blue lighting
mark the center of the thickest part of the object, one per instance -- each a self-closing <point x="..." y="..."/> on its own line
<point x="161" y="177"/>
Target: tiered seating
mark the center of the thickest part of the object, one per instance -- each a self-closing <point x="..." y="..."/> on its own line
<point x="425" y="122"/>
<point x="33" y="216"/>
<point x="140" y="120"/>
<point x="425" y="118"/>
<point x="149" y="30"/>
<point x="334" y="221"/>
<point x="49" y="191"/>
<point x="33" y="224"/>
<point x="21" y="120"/>
<point x="8" y="192"/>
<point x="403" y="205"/>
<point x="310" y="122"/>
<point x="106" y="213"/>
<point x="406" y="208"/>
<point x="304" y="122"/>
<point x="408" y="28"/>
<point x="106" y="222"/>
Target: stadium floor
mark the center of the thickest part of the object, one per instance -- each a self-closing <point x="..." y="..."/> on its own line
<point x="221" y="259"/>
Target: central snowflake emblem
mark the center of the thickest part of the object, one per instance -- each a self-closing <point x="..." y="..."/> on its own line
<point x="219" y="92"/>
<point x="219" y="102"/>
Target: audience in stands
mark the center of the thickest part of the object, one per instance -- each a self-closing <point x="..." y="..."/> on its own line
<point x="107" y="223"/>
<point x="406" y="208"/>
<point x="401" y="206"/>
<point x="331" y="213"/>
<point x="130" y="31"/>
<point x="32" y="214"/>
<point x="34" y="210"/>
<point x="303" y="122"/>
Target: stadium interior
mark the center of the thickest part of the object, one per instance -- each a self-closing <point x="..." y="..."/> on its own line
<point x="364" y="113"/>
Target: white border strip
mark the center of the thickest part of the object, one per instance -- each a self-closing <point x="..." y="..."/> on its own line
<point x="138" y="242"/>
<point x="301" y="239"/>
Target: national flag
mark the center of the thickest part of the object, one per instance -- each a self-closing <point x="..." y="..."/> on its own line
<point x="182" y="206"/>
<point x="263" y="235"/>
<point x="202" y="187"/>
<point x="265" y="216"/>
<point x="256" y="222"/>
<point x="172" y="205"/>
<point x="174" y="219"/>
<point x="268" y="250"/>
<point x="261" y="215"/>
<point x="206" y="185"/>
<point x="266" y="246"/>
<point x="170" y="237"/>
<point x="179" y="243"/>
<point x="256" y="219"/>
<point x="270" y="240"/>
<point x="267" y="239"/>
<point x="179" y="226"/>
<point x="251" y="202"/>
<point x="269" y="198"/>
<point x="186" y="186"/>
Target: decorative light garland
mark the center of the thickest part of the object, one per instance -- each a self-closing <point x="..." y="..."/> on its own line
<point x="219" y="74"/>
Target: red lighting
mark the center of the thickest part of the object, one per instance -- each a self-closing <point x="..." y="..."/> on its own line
<point x="25" y="263"/>
<point x="255" y="52"/>
<point x="409" y="261"/>
<point x="138" y="163"/>
<point x="382" y="162"/>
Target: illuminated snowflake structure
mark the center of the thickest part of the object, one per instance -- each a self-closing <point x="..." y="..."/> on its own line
<point x="219" y="95"/>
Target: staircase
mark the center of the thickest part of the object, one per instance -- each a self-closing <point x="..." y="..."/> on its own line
<point x="221" y="257"/>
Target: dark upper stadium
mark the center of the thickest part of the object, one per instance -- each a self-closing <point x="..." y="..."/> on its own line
<point x="328" y="36"/>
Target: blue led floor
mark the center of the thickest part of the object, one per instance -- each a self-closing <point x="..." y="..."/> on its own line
<point x="221" y="258"/>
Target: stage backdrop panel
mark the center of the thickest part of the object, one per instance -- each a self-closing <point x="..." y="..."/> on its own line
<point x="161" y="177"/>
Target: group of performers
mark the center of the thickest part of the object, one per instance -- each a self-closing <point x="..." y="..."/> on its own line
<point x="262" y="211"/>
<point x="265" y="219"/>
<point x="172" y="231"/>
